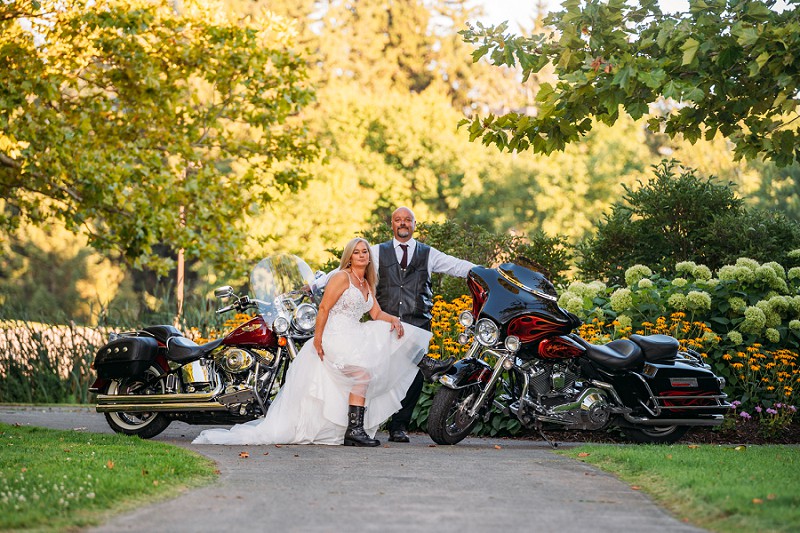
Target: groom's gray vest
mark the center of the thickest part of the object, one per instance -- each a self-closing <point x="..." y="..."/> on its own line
<point x="405" y="293"/>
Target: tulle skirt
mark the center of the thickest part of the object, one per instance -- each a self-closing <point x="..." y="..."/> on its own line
<point x="311" y="408"/>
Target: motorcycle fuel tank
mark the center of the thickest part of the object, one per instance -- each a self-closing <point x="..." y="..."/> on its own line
<point x="254" y="332"/>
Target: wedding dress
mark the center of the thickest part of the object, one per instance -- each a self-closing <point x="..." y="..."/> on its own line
<point x="312" y="406"/>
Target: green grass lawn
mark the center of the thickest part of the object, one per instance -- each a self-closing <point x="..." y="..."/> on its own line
<point x="721" y="488"/>
<point x="53" y="480"/>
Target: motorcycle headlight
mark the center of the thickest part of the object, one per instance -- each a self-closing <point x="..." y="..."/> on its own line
<point x="305" y="318"/>
<point x="512" y="343"/>
<point x="487" y="332"/>
<point x="281" y="325"/>
<point x="466" y="319"/>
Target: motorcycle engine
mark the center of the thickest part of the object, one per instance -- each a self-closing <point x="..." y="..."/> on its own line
<point x="234" y="360"/>
<point x="557" y="396"/>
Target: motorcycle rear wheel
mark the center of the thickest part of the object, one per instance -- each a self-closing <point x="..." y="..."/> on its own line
<point x="655" y="434"/>
<point x="143" y="425"/>
<point x="448" y="420"/>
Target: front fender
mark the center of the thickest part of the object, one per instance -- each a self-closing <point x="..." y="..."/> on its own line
<point x="466" y="372"/>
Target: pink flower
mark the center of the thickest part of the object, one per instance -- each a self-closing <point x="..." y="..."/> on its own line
<point x="792" y="408"/>
<point x="745" y="415"/>
<point x="772" y="412"/>
<point x="778" y="405"/>
<point x="736" y="403"/>
<point x="758" y="409"/>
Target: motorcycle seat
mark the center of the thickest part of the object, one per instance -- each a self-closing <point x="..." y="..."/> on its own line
<point x="183" y="350"/>
<point x="617" y="354"/>
<point x="163" y="333"/>
<point x="657" y="348"/>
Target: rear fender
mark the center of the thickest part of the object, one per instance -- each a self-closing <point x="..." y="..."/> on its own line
<point x="466" y="372"/>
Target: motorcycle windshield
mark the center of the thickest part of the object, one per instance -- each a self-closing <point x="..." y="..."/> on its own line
<point x="512" y="290"/>
<point x="277" y="278"/>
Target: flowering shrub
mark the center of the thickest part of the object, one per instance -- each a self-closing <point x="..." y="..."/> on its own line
<point x="445" y="327"/>
<point x="771" y="419"/>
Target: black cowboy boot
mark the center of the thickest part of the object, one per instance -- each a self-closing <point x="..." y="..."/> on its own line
<point x="433" y="368"/>
<point x="355" y="434"/>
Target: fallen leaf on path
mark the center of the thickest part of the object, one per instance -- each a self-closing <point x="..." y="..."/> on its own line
<point x="584" y="454"/>
<point x="110" y="465"/>
<point x="636" y="487"/>
<point x="266" y="453"/>
<point x="431" y="446"/>
<point x="758" y="501"/>
<point x="244" y="455"/>
<point x="155" y="483"/>
<point x="498" y="447"/>
<point x="693" y="446"/>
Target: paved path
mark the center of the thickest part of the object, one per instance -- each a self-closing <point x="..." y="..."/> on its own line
<point x="470" y="487"/>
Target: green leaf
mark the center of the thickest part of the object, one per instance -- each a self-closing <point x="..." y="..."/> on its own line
<point x="623" y="76"/>
<point x="689" y="49"/>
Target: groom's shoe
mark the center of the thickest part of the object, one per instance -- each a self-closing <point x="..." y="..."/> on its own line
<point x="433" y="368"/>
<point x="398" y="435"/>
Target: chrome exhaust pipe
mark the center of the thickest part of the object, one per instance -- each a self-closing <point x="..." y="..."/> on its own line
<point x="148" y="407"/>
<point x="715" y="420"/>
<point x="117" y="399"/>
<point x="113" y="399"/>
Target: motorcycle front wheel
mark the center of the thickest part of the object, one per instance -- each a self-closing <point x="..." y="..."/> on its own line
<point x="655" y="434"/>
<point x="143" y="425"/>
<point x="448" y="420"/>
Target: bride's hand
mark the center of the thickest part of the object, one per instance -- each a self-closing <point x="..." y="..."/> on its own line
<point x="398" y="326"/>
<point x="320" y="352"/>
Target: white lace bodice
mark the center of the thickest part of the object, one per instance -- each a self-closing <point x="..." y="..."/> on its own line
<point x="350" y="306"/>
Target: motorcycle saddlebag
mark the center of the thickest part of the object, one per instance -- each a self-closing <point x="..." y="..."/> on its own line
<point x="125" y="357"/>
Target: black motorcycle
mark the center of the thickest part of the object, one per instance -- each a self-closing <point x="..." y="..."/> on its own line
<point x="526" y="360"/>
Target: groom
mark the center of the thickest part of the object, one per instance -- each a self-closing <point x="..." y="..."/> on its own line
<point x="404" y="290"/>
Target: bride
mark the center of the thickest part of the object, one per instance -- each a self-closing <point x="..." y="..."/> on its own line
<point x="350" y="379"/>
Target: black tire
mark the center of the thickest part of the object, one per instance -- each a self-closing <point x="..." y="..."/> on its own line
<point x="143" y="425"/>
<point x="655" y="434"/>
<point x="448" y="422"/>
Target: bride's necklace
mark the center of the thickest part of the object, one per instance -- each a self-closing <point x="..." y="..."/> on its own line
<point x="360" y="280"/>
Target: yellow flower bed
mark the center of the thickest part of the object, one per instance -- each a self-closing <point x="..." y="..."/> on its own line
<point x="776" y="372"/>
<point x="695" y="336"/>
<point x="445" y="327"/>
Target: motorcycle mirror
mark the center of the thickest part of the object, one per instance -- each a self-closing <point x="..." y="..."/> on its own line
<point x="223" y="292"/>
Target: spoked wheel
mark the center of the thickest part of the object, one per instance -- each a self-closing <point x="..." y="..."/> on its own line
<point x="656" y="434"/>
<point x="143" y="425"/>
<point x="448" y="420"/>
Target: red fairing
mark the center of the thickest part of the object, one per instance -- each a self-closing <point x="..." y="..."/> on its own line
<point x="534" y="328"/>
<point x="479" y="295"/>
<point x="254" y="332"/>
<point x="559" y="348"/>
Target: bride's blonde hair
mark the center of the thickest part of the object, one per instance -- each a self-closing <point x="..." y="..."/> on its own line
<point x="370" y="274"/>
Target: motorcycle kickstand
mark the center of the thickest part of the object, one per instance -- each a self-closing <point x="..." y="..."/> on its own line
<point x="538" y="426"/>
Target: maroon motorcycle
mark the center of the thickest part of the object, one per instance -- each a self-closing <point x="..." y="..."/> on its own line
<point x="150" y="377"/>
<point x="526" y="361"/>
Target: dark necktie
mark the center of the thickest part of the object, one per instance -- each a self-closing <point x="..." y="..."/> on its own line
<point x="404" y="260"/>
